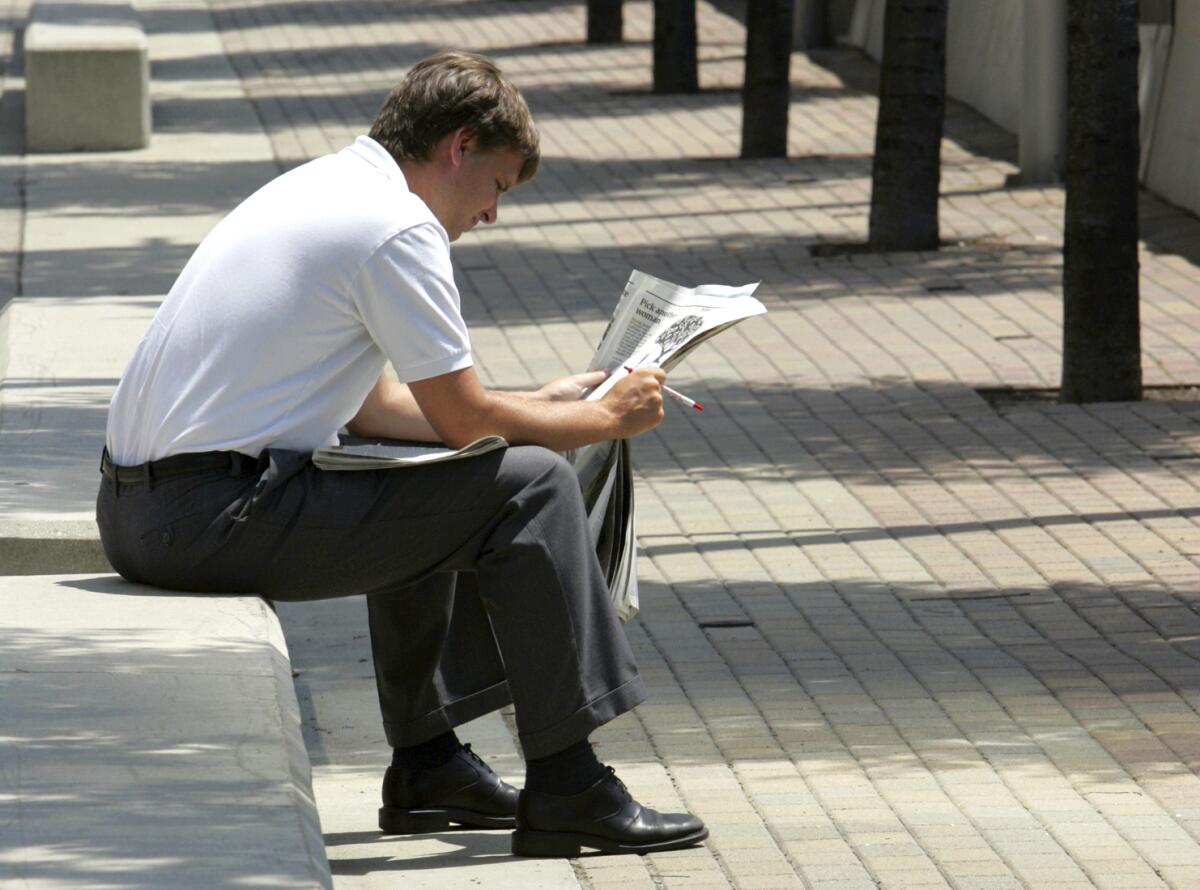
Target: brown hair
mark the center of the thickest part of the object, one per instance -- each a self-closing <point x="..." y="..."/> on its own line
<point x="455" y="89"/>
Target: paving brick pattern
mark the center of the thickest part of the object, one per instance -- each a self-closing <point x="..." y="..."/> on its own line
<point x="969" y="641"/>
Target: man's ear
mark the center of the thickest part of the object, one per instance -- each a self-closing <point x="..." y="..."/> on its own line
<point x="461" y="140"/>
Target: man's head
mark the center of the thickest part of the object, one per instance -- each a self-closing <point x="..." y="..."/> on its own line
<point x="457" y="127"/>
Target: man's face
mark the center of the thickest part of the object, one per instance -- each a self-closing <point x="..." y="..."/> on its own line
<point x="479" y="181"/>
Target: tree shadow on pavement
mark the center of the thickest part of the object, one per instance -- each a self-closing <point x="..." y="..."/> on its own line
<point x="823" y="669"/>
<point x="897" y="432"/>
<point x="757" y="430"/>
<point x="1168" y="230"/>
<point x="146" y="269"/>
<point x="791" y="279"/>
<point x="147" y="188"/>
<point x="367" y="59"/>
<point x="371" y="11"/>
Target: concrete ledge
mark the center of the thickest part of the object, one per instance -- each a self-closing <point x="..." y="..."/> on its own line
<point x="87" y="77"/>
<point x="63" y="358"/>
<point x="149" y="739"/>
<point x="30" y="547"/>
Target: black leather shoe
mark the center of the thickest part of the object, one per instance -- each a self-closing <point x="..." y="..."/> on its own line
<point x="604" y="817"/>
<point x="464" y="791"/>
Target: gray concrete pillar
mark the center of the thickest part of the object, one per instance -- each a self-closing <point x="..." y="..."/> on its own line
<point x="1043" y="133"/>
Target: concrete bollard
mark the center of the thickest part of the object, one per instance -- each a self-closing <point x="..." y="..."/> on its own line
<point x="87" y="78"/>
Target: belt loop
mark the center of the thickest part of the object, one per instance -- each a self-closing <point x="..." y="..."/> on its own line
<point x="149" y="476"/>
<point x="107" y="464"/>
<point x="235" y="463"/>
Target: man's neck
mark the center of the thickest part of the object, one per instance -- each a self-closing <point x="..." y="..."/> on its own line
<point x="424" y="182"/>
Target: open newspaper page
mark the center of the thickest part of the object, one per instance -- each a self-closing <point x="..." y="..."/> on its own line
<point x="659" y="323"/>
<point x="655" y="323"/>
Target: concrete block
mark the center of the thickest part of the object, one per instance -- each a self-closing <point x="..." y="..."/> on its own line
<point x="149" y="740"/>
<point x="87" y="77"/>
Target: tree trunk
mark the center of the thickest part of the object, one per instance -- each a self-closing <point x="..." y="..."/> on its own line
<point x="810" y="25"/>
<point x="1102" y="359"/>
<point x="908" y="134"/>
<point x="765" y="90"/>
<point x="603" y="21"/>
<point x="675" y="66"/>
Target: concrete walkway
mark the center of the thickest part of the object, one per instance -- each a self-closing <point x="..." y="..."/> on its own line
<point x="897" y="636"/>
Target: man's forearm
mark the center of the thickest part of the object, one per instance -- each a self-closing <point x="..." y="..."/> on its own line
<point x="526" y="419"/>
<point x="520" y="417"/>
<point x="461" y="410"/>
<point x="391" y="412"/>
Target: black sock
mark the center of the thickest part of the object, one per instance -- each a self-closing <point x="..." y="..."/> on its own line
<point x="428" y="754"/>
<point x="565" y="772"/>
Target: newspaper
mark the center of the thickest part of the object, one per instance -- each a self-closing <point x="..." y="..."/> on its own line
<point x="659" y="323"/>
<point x="353" y="453"/>
<point x="655" y="323"/>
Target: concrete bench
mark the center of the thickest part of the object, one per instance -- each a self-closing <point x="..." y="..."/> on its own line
<point x="149" y="740"/>
<point x="60" y="358"/>
<point x="87" y="77"/>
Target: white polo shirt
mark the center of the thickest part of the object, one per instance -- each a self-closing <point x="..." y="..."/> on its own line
<point x="286" y="314"/>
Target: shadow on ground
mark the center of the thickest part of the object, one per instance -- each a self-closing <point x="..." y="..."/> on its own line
<point x="462" y="848"/>
<point x="773" y="431"/>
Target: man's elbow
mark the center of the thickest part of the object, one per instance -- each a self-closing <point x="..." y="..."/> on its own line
<point x="361" y="424"/>
<point x="457" y="434"/>
<point x="463" y="424"/>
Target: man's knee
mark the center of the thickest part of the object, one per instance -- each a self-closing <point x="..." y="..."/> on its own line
<point x="532" y="466"/>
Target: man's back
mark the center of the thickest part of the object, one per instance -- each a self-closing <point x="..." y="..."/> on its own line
<point x="269" y="336"/>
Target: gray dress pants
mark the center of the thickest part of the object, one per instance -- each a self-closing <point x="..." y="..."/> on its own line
<point x="480" y="578"/>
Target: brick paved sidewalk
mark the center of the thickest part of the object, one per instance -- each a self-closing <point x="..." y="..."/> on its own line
<point x="896" y="637"/>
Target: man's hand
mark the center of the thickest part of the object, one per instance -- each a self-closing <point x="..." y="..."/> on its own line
<point x="636" y="401"/>
<point x="571" y="387"/>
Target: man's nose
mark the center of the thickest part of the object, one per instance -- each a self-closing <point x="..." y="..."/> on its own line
<point x="492" y="213"/>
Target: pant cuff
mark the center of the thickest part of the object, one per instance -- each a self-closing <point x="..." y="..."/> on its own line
<point x="577" y="727"/>
<point x="448" y="716"/>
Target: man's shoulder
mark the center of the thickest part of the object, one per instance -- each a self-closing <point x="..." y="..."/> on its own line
<point x="375" y="189"/>
<point x="345" y="198"/>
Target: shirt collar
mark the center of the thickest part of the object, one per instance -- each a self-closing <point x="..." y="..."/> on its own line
<point x="378" y="157"/>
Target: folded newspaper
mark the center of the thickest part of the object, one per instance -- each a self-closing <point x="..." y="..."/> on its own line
<point x="655" y="323"/>
<point x="355" y="453"/>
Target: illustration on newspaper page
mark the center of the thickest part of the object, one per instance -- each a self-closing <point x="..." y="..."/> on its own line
<point x="655" y="323"/>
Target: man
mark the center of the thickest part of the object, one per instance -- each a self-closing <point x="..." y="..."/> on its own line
<point x="481" y="583"/>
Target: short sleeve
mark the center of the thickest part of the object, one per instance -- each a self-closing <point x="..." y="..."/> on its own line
<point x="406" y="297"/>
